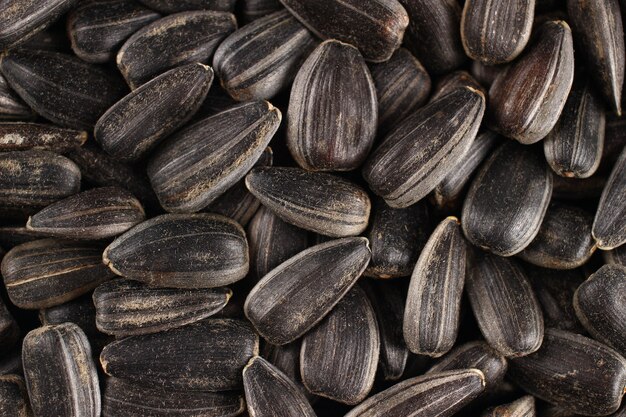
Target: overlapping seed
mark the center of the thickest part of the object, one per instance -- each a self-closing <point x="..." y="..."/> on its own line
<point x="175" y="6"/>
<point x="609" y="225"/>
<point x="23" y="136"/>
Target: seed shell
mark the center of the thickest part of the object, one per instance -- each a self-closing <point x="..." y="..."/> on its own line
<point x="609" y="225"/>
<point x="255" y="9"/>
<point x="452" y="81"/>
<point x="11" y="105"/>
<point x="80" y="311"/>
<point x="524" y="407"/>
<point x="24" y="136"/>
<point x="13" y="397"/>
<point x="175" y="6"/>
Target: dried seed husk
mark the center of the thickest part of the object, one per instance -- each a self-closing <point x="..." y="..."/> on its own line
<point x="616" y="256"/>
<point x="424" y="148"/>
<point x="13" y="397"/>
<point x="175" y="6"/>
<point x="205" y="356"/>
<point x="60" y="375"/>
<point x="527" y="98"/>
<point x="609" y="225"/>
<point x="573" y="372"/>
<point x="255" y="9"/>
<point x="485" y="74"/>
<point x="189" y="171"/>
<point x="333" y="112"/>
<point x="457" y="79"/>
<point x="524" y="407"/>
<point x="9" y="331"/>
<point x="150" y="113"/>
<point x="433" y="304"/>
<point x="578" y="188"/>
<point x="98" y="28"/>
<point x="11" y="105"/>
<point x="300" y="292"/>
<point x="261" y="59"/>
<point x="24" y="136"/>
<point x="80" y="311"/>
<point x="181" y="251"/>
<point x="172" y="41"/>
<point x="60" y="87"/>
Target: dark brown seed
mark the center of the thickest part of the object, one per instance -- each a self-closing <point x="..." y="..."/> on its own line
<point x="457" y="79"/>
<point x="609" y="225"/>
<point x="527" y="98"/>
<point x="300" y="292"/>
<point x="23" y="136"/>
<point x="80" y="311"/>
<point x="573" y="372"/>
<point x="60" y="374"/>
<point x="181" y="251"/>
<point x="11" y="105"/>
<point x="13" y="397"/>
<point x="172" y="41"/>
<point x="424" y="148"/>
<point x="255" y="9"/>
<point x="524" y="407"/>
<point x="616" y="256"/>
<point x="9" y="331"/>
<point x="507" y="201"/>
<point x="332" y="115"/>
<point x="320" y="202"/>
<point x="205" y="356"/>
<point x="142" y="119"/>
<point x="175" y="6"/>
<point x="578" y="188"/>
<point x="189" y="172"/>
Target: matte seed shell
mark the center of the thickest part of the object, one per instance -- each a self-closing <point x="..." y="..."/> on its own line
<point x="255" y="9"/>
<point x="11" y="105"/>
<point x="609" y="225"/>
<point x="175" y="6"/>
<point x="616" y="256"/>
<point x="189" y="171"/>
<point x="23" y="136"/>
<point x="205" y="356"/>
<point x="80" y="311"/>
<point x="424" y="148"/>
<point x="13" y="397"/>
<point x="172" y="41"/>
<point x="524" y="407"/>
<point x="60" y="374"/>
<point x="457" y="79"/>
<point x="332" y="115"/>
<point x="142" y="119"/>
<point x="181" y="251"/>
<point x="296" y="295"/>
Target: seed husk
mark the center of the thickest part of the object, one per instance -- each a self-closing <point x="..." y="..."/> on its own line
<point x="524" y="407"/>
<point x="24" y="136"/>
<point x="424" y="148"/>
<point x="175" y="6"/>
<point x="80" y="311"/>
<point x="616" y="256"/>
<point x="300" y="292"/>
<point x="255" y="9"/>
<point x="181" y="251"/>
<point x="13" y="397"/>
<point x="333" y="114"/>
<point x="457" y="79"/>
<point x="205" y="356"/>
<point x="11" y="105"/>
<point x="609" y="225"/>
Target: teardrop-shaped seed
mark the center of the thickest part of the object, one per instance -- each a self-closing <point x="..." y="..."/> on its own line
<point x="175" y="6"/>
<point x="255" y="9"/>
<point x="94" y="214"/>
<point x="11" y="105"/>
<point x="504" y="305"/>
<point x="616" y="256"/>
<point x="338" y="358"/>
<point x="507" y="201"/>
<point x="332" y="115"/>
<point x="23" y="136"/>
<point x="452" y="81"/>
<point x="80" y="311"/>
<point x="433" y="304"/>
<point x="424" y="148"/>
<point x="127" y="308"/>
<point x="573" y="372"/>
<point x="181" y="251"/>
<point x="609" y="225"/>
<point x="97" y="29"/>
<point x="261" y="59"/>
<point x="50" y="272"/>
<point x="524" y="407"/>
<point x="60" y="87"/>
<point x="297" y="294"/>
<point x="376" y="27"/>
<point x="205" y="356"/>
<point x="60" y="375"/>
<point x="189" y="171"/>
<point x="527" y="98"/>
<point x="438" y="394"/>
<point x="142" y="119"/>
<point x="496" y="32"/>
<point x="13" y="397"/>
<point x="172" y="41"/>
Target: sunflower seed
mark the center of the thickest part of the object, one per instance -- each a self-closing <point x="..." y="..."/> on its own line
<point x="609" y="225"/>
<point x="11" y="105"/>
<point x="175" y="6"/>
<point x="255" y="9"/>
<point x="457" y="79"/>
<point x="23" y="136"/>
<point x="524" y="407"/>
<point x="80" y="311"/>
<point x="616" y="256"/>
<point x="13" y="397"/>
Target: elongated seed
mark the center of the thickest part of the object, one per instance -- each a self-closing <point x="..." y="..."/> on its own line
<point x="14" y="397"/>
<point x="609" y="224"/>
<point x="175" y="6"/>
<point x="524" y="407"/>
<point x="23" y="136"/>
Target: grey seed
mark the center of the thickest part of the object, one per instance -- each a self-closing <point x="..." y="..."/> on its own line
<point x="433" y="303"/>
<point x="80" y="311"/>
<point x="98" y="213"/>
<point x="271" y="393"/>
<point x="175" y="6"/>
<point x="319" y="202"/>
<point x="438" y="394"/>
<point x="97" y="29"/>
<point x="175" y="40"/>
<point x="616" y="256"/>
<point x="485" y="74"/>
<point x="507" y="200"/>
<point x="255" y="9"/>
<point x="524" y="407"/>
<point x="189" y="171"/>
<point x="13" y="397"/>
<point x="11" y="105"/>
<point x="9" y="330"/>
<point x="573" y="372"/>
<point x="261" y="59"/>
<point x="526" y="99"/>
<point x="333" y="112"/>
<point x="181" y="251"/>
<point x="205" y="356"/>
<point x="376" y="27"/>
<point x="424" y="148"/>
<point x="300" y="292"/>
<point x="339" y="356"/>
<point x="23" y="136"/>
<point x="454" y="80"/>
<point x="67" y="386"/>
<point x="142" y="119"/>
<point x="576" y="189"/>
<point x="609" y="225"/>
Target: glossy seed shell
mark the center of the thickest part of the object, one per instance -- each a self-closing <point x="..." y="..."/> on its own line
<point x="175" y="6"/>
<point x="609" y="225"/>
<point x="13" y="397"/>
<point x="23" y="136"/>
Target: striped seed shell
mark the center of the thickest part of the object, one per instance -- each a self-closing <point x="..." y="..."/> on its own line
<point x="333" y="112"/>
<point x="189" y="171"/>
<point x="172" y="41"/>
<point x="80" y="311"/>
<point x="524" y="407"/>
<point x="573" y="372"/>
<point x="433" y="304"/>
<point x="9" y="330"/>
<point x="526" y="99"/>
<point x="261" y="59"/>
<point x="452" y="81"/>
<point x="150" y="113"/>
<point x="609" y="225"/>
<point x="255" y="9"/>
<point x="60" y="375"/>
<point x="181" y="251"/>
<point x="24" y="136"/>
<point x="11" y="105"/>
<point x="14" y="397"/>
<point x="300" y="292"/>
<point x="175" y="6"/>
<point x="616" y="256"/>
<point x="205" y="356"/>
<point x="424" y="148"/>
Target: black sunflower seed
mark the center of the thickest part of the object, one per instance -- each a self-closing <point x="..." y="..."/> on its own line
<point x="11" y="105"/>
<point x="23" y="136"/>
<point x="80" y="311"/>
<point x="609" y="225"/>
<point x="454" y="80"/>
